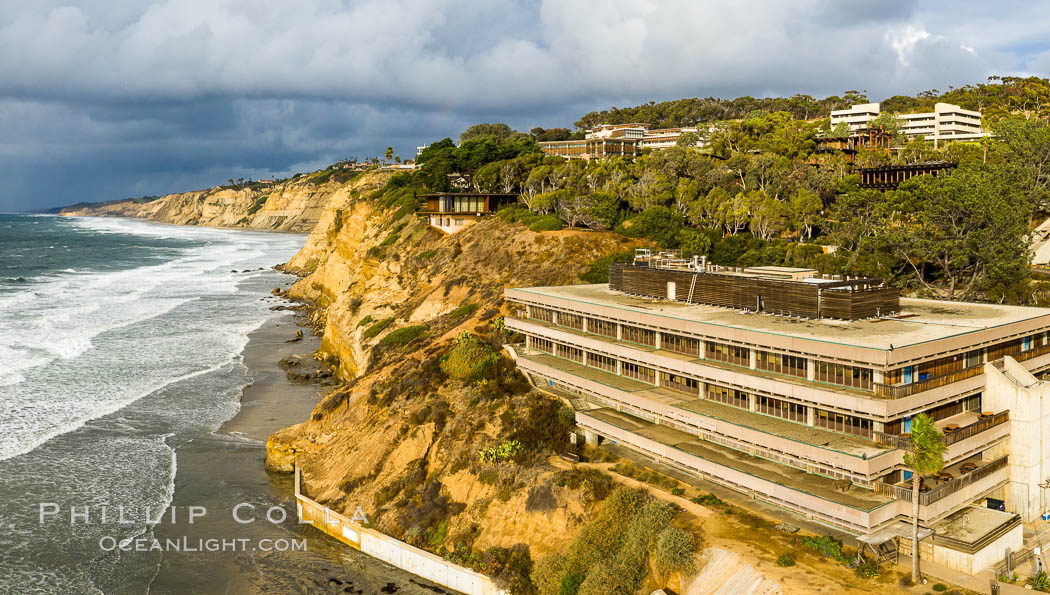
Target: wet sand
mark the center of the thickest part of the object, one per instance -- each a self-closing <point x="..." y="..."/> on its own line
<point x="223" y="471"/>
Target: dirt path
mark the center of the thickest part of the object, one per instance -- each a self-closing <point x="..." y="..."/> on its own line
<point x="753" y="538"/>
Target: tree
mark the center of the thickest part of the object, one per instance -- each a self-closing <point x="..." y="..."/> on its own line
<point x="889" y="123"/>
<point x="768" y="215"/>
<point x="709" y="210"/>
<point x="498" y="131"/>
<point x="966" y="230"/>
<point x="841" y="130"/>
<point x="805" y="208"/>
<point x="389" y="153"/>
<point x="688" y="139"/>
<point x="1026" y="143"/>
<point x="926" y="458"/>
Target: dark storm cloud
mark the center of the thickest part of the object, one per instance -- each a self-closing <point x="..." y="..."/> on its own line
<point x="102" y="99"/>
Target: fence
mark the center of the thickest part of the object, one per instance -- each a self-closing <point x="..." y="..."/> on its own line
<point x="397" y="553"/>
<point x="899" y="391"/>
<point x="941" y="491"/>
<point x="904" y="442"/>
<point x="976" y="428"/>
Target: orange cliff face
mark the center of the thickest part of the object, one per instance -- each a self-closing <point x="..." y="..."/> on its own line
<point x="399" y="430"/>
<point x="294" y="205"/>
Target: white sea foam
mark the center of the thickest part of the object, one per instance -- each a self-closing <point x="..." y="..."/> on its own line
<point x="83" y="344"/>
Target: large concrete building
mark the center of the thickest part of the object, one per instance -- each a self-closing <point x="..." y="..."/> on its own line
<point x="617" y="140"/>
<point x="946" y="122"/>
<point x="800" y="390"/>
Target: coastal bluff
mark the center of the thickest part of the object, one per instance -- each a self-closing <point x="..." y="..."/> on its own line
<point x="293" y="205"/>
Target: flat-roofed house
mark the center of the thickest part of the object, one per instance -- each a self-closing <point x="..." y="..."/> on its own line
<point x="799" y="389"/>
<point x="452" y="211"/>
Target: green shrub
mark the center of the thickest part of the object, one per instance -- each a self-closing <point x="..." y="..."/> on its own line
<point x="376" y="328"/>
<point x="507" y="451"/>
<point x="598" y="270"/>
<point x="464" y="310"/>
<point x="438" y="534"/>
<point x="709" y="500"/>
<point x="826" y="546"/>
<point x="546" y="223"/>
<point x="470" y="359"/>
<point x="513" y="213"/>
<point x="1041" y="582"/>
<point x="940" y="587"/>
<point x="786" y="560"/>
<point x="337" y="223"/>
<point x="365" y="320"/>
<point x="570" y="584"/>
<point x="390" y="239"/>
<point x="677" y="491"/>
<point x="403" y="335"/>
<point x="674" y="551"/>
<point x="867" y="569"/>
<point x="426" y="254"/>
<point x="258" y="204"/>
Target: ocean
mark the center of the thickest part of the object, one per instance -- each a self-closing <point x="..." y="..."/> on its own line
<point x="119" y="342"/>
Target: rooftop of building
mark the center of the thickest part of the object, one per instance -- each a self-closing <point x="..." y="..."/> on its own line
<point x="919" y="321"/>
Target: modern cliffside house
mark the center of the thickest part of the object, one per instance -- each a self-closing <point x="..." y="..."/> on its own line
<point x="452" y="211"/>
<point x="946" y="122"/>
<point x="799" y="390"/>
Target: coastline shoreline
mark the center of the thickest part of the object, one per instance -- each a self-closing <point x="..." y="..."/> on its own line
<point x="226" y="468"/>
<point x="303" y="233"/>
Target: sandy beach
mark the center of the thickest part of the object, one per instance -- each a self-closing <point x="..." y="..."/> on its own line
<point x="223" y="472"/>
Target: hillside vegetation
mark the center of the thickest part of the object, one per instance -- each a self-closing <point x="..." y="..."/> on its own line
<point x="759" y="194"/>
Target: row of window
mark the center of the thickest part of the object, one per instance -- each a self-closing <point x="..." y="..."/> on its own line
<point x="735" y="398"/>
<point x="790" y="365"/>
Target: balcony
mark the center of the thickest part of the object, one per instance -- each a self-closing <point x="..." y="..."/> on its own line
<point x="954" y="432"/>
<point x="957" y="484"/>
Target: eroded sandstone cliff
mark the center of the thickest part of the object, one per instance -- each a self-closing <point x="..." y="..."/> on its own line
<point x="401" y="438"/>
<point x="293" y="205"/>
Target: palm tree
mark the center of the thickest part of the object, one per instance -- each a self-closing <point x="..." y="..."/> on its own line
<point x="926" y="458"/>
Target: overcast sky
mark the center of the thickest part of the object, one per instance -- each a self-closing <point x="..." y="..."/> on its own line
<point x="103" y="99"/>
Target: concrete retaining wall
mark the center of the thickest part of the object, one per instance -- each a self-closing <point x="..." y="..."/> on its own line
<point x="392" y="551"/>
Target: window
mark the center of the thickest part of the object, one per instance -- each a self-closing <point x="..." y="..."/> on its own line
<point x="727" y="396"/>
<point x="541" y="314"/>
<point x="846" y="424"/>
<point x="542" y="345"/>
<point x="680" y="344"/>
<point x="601" y="327"/>
<point x="571" y="353"/>
<point x="731" y="354"/>
<point x="459" y="222"/>
<point x="601" y="362"/>
<point x="843" y="375"/>
<point x="570" y="320"/>
<point x="781" y="409"/>
<point x="681" y="384"/>
<point x="782" y="364"/>
<point x="638" y="335"/>
<point x="639" y="373"/>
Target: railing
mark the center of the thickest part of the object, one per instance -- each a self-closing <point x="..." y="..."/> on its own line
<point x="901" y="442"/>
<point x="941" y="491"/>
<point x="1016" y="559"/>
<point x="1034" y="352"/>
<point x="899" y="391"/>
<point x="976" y="428"/>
